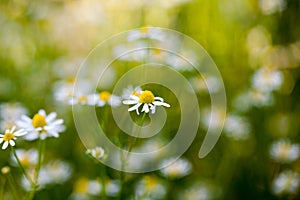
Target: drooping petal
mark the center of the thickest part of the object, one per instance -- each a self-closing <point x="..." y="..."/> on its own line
<point x="159" y="98"/>
<point x="5" y="145"/>
<point x="158" y="103"/>
<point x="12" y="142"/>
<point x="135" y="107"/>
<point x="145" y="108"/>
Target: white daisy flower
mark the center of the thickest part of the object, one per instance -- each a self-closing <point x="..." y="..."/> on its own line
<point x="146" y="32"/>
<point x="237" y="127"/>
<point x="150" y="187"/>
<point x="102" y="99"/>
<point x="12" y="111"/>
<point x="146" y="99"/>
<point x="97" y="152"/>
<point x="267" y="80"/>
<point x="268" y="7"/>
<point x="10" y="135"/>
<point x="28" y="158"/>
<point x="177" y="169"/>
<point x="287" y="182"/>
<point x="283" y="151"/>
<point x="41" y="125"/>
<point x="82" y="100"/>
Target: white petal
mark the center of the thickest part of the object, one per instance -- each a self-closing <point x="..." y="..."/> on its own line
<point x="130" y="102"/>
<point x="20" y="132"/>
<point x="54" y="134"/>
<point x="158" y="103"/>
<point x="145" y="108"/>
<point x="31" y="136"/>
<point x="5" y="144"/>
<point x="43" y="136"/>
<point x="135" y="107"/>
<point x="42" y="112"/>
<point x="51" y="117"/>
<point x="26" y="119"/>
<point x="57" y="122"/>
<point x="159" y="98"/>
<point x="101" y="103"/>
<point x="13" y="129"/>
<point x="1" y="140"/>
<point x="12" y="142"/>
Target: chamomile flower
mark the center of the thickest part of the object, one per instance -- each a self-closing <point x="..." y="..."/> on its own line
<point x="80" y="99"/>
<point x="150" y="187"/>
<point x="287" y="182"/>
<point x="28" y="158"/>
<point x="267" y="80"/>
<point x="9" y="113"/>
<point x="41" y="125"/>
<point x="177" y="169"/>
<point x="146" y="32"/>
<point x="284" y="151"/>
<point x="237" y="127"/>
<point x="103" y="98"/>
<point x="97" y="152"/>
<point x="147" y="100"/>
<point x="10" y="135"/>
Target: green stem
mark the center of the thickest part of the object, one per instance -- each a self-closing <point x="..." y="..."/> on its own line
<point x="21" y="166"/>
<point x="13" y="186"/>
<point x="124" y="158"/>
<point x="103" y="179"/>
<point x="41" y="149"/>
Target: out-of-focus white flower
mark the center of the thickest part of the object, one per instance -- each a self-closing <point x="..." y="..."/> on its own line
<point x="267" y="80"/>
<point x="268" y="7"/>
<point x="146" y="99"/>
<point x="195" y="193"/>
<point x="176" y="168"/>
<point x="97" y="152"/>
<point x="237" y="127"/>
<point x="9" y="113"/>
<point x="103" y="98"/>
<point x="209" y="84"/>
<point x="112" y="187"/>
<point x="134" y="51"/>
<point x="130" y="90"/>
<point x="146" y="32"/>
<point x="12" y="111"/>
<point x="41" y="125"/>
<point x="55" y="172"/>
<point x="284" y="151"/>
<point x="150" y="187"/>
<point x="287" y="182"/>
<point x="28" y="158"/>
<point x="10" y="135"/>
<point x="182" y="61"/>
<point x="213" y="117"/>
<point x="82" y="100"/>
<point x="64" y="90"/>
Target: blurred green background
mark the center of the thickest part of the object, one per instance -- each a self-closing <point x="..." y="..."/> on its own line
<point x="44" y="42"/>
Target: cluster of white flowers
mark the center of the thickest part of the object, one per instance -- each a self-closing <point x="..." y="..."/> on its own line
<point x="88" y="189"/>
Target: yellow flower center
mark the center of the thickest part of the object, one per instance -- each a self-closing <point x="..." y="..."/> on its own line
<point x="8" y="136"/>
<point x="104" y="96"/>
<point x="81" y="186"/>
<point x="147" y="97"/>
<point x="25" y="161"/>
<point x="150" y="182"/>
<point x="82" y="99"/>
<point x="38" y="121"/>
<point x="144" y="30"/>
